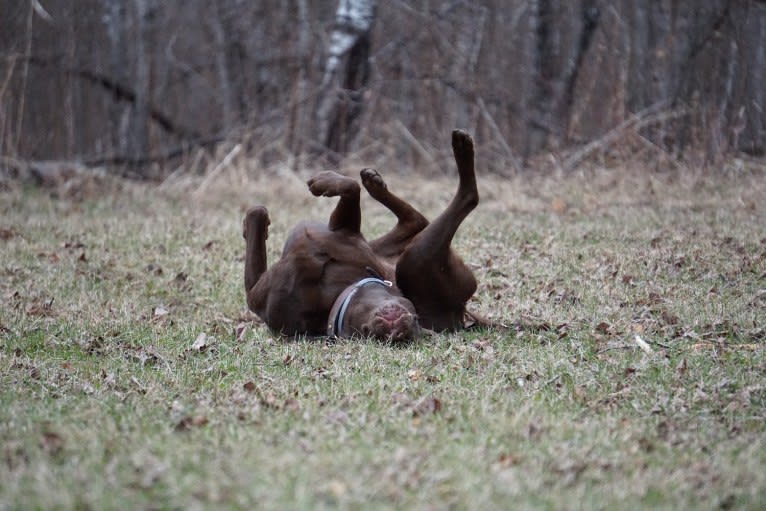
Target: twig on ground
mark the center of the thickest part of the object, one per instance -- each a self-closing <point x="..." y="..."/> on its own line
<point x="217" y="170"/>
<point x="644" y="345"/>
<point x="517" y="166"/>
<point x="650" y="115"/>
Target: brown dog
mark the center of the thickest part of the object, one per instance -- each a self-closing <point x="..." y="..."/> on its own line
<point x="330" y="280"/>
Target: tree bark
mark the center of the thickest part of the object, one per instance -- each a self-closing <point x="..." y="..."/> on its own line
<point x="114" y="16"/>
<point x="139" y="126"/>
<point x="754" y="134"/>
<point x="346" y="75"/>
<point x="221" y="49"/>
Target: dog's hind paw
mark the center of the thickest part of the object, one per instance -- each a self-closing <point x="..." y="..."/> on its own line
<point x="372" y="181"/>
<point x="462" y="145"/>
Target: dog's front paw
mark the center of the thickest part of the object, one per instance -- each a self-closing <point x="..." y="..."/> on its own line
<point x="257" y="219"/>
<point x="323" y="183"/>
<point x="331" y="184"/>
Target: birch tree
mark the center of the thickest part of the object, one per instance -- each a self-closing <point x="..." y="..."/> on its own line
<point x="346" y="75"/>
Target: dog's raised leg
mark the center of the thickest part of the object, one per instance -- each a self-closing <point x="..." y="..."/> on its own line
<point x="437" y="237"/>
<point x="428" y="272"/>
<point x="347" y="215"/>
<point x="409" y="220"/>
<point x="255" y="230"/>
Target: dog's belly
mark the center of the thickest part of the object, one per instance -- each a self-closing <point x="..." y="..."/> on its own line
<point x="316" y="266"/>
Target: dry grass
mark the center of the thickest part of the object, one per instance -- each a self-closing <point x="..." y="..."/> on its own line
<point x="133" y="377"/>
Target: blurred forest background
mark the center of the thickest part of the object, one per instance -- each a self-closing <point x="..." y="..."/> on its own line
<point x="141" y="85"/>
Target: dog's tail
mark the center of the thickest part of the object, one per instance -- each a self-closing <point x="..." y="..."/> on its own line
<point x="473" y="320"/>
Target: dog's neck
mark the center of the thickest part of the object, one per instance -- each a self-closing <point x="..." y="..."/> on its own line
<point x="338" y="311"/>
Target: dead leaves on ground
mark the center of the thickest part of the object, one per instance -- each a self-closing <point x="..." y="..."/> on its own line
<point x="51" y="442"/>
<point x="8" y="233"/>
<point x="423" y="406"/>
<point x="200" y="344"/>
<point x="188" y="422"/>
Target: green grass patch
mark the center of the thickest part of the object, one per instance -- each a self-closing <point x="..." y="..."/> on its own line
<point x="132" y="375"/>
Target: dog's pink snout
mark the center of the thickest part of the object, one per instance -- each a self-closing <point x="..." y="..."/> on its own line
<point x="395" y="322"/>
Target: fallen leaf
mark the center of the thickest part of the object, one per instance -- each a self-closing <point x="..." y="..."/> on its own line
<point x="507" y="460"/>
<point x="337" y="417"/>
<point x="401" y="400"/>
<point x="51" y="442"/>
<point x="269" y="400"/>
<point x="200" y="343"/>
<point x="249" y="386"/>
<point x="160" y="311"/>
<point x="644" y="345"/>
<point x="570" y="470"/>
<point x="668" y="318"/>
<point x="558" y="205"/>
<point x="603" y="327"/>
<point x="154" y="269"/>
<point x="239" y="331"/>
<point x="188" y="422"/>
<point x="336" y="488"/>
<point x="72" y="244"/>
<point x="91" y="345"/>
<point x="38" y="308"/>
<point x="153" y="471"/>
<point x="108" y="378"/>
<point x="534" y="431"/>
<point x="426" y="406"/>
<point x="6" y="234"/>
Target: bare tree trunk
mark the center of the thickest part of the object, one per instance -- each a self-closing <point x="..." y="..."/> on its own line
<point x="222" y="69"/>
<point x="114" y="15"/>
<point x="297" y="111"/>
<point x="590" y="18"/>
<point x="640" y="54"/>
<point x="346" y="75"/>
<point x="139" y="135"/>
<point x="528" y="69"/>
<point x="755" y="129"/>
<point x="719" y="133"/>
<point x="543" y="98"/>
<point x="19" y="129"/>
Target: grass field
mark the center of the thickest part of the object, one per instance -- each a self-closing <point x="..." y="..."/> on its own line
<point x="132" y="376"/>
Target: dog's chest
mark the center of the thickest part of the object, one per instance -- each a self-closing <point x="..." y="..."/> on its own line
<point x="314" y="271"/>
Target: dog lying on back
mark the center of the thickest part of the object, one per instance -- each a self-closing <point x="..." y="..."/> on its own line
<point x="331" y="281"/>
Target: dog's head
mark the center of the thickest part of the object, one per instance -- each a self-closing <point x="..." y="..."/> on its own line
<point x="374" y="308"/>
